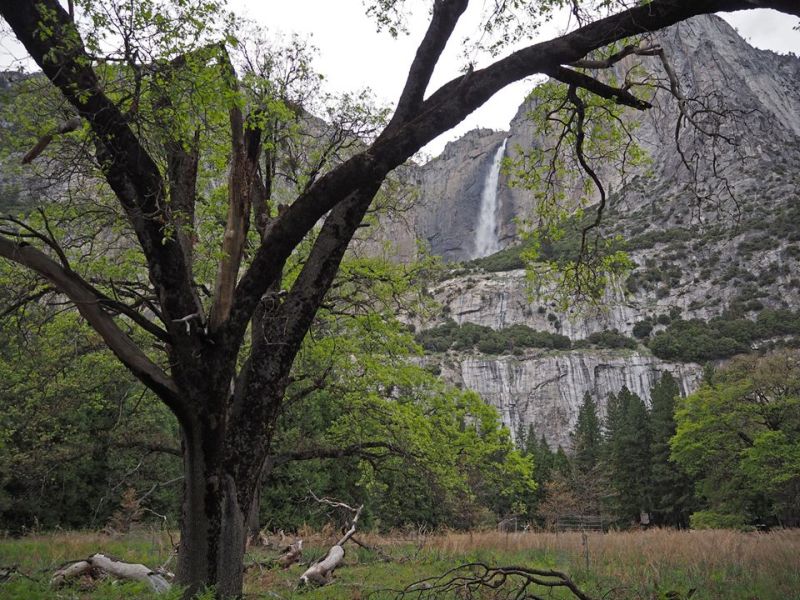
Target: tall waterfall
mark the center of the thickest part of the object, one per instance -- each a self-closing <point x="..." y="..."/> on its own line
<point x="486" y="240"/>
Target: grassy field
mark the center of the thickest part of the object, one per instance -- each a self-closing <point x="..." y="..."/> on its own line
<point x="649" y="565"/>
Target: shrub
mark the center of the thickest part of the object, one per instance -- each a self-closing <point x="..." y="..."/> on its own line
<point x="451" y="336"/>
<point x="611" y="339"/>
<point x="699" y="341"/>
<point x="706" y="519"/>
<point x="643" y="328"/>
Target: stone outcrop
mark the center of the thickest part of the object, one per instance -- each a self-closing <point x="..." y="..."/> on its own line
<point x="726" y="236"/>
<point x="450" y="193"/>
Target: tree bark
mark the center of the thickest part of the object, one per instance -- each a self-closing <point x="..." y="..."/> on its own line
<point x="213" y="523"/>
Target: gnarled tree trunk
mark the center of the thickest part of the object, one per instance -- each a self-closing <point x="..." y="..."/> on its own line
<point x="213" y="521"/>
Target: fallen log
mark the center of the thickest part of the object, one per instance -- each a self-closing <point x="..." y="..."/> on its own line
<point x="321" y="572"/>
<point x="104" y="564"/>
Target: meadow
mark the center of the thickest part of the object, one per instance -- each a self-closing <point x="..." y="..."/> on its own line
<point x="654" y="564"/>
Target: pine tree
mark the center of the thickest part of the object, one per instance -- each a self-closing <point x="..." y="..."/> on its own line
<point x="561" y="464"/>
<point x="671" y="488"/>
<point x="627" y="454"/>
<point x="543" y="458"/>
<point x="586" y="437"/>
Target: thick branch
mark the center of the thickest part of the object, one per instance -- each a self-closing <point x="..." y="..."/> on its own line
<point x="618" y="95"/>
<point x="446" y="14"/>
<point x="90" y="307"/>
<point x="295" y="315"/>
<point x="245" y="148"/>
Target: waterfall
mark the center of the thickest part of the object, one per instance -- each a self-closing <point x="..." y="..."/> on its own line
<point x="486" y="240"/>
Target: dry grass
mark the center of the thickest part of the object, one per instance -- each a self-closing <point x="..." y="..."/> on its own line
<point x="711" y="561"/>
<point x="710" y="549"/>
<point x="720" y="565"/>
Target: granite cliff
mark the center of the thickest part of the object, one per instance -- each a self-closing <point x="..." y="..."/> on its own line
<point x="724" y="239"/>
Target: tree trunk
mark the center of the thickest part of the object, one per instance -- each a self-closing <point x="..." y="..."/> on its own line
<point x="213" y="523"/>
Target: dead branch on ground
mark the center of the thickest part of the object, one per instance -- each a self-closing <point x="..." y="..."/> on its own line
<point x="100" y="563"/>
<point x="321" y="572"/>
<point x="474" y="579"/>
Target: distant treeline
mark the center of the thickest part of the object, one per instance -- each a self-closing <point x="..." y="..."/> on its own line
<point x="696" y="340"/>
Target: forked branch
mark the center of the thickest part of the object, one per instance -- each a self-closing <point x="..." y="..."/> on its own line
<point x="597" y="87"/>
<point x="446" y="14"/>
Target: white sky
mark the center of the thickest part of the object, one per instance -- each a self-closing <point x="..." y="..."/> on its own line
<point x="353" y="55"/>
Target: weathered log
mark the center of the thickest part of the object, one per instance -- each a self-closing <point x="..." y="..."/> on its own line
<point x="321" y="572"/>
<point x="113" y="567"/>
<point x="70" y="571"/>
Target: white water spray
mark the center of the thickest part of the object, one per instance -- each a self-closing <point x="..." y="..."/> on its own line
<point x="486" y="240"/>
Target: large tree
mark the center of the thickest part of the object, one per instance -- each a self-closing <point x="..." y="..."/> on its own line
<point x="739" y="436"/>
<point x="224" y="386"/>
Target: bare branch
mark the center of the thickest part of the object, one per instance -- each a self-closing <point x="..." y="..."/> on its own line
<point x="609" y="62"/>
<point x="473" y="579"/>
<point x="65" y="127"/>
<point x="25" y="301"/>
<point x="580" y="136"/>
<point x="245" y="148"/>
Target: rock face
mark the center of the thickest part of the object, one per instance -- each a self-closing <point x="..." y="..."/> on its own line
<point x="546" y="390"/>
<point x="451" y="187"/>
<point x="759" y="90"/>
<point x="723" y="237"/>
<point x="499" y="300"/>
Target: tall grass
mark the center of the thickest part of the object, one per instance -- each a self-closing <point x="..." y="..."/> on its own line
<point x="719" y="565"/>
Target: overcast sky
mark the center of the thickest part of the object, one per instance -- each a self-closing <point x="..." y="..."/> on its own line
<point x="352" y="55"/>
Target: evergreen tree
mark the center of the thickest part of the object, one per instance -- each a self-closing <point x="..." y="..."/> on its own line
<point x="542" y="457"/>
<point x="671" y="488"/>
<point x="628" y="454"/>
<point x="561" y="464"/>
<point x="544" y="460"/>
<point x="586" y="437"/>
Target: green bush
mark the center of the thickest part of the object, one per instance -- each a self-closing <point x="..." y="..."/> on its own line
<point x="611" y="339"/>
<point x="722" y="337"/>
<point x="706" y="519"/>
<point x="643" y="328"/>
